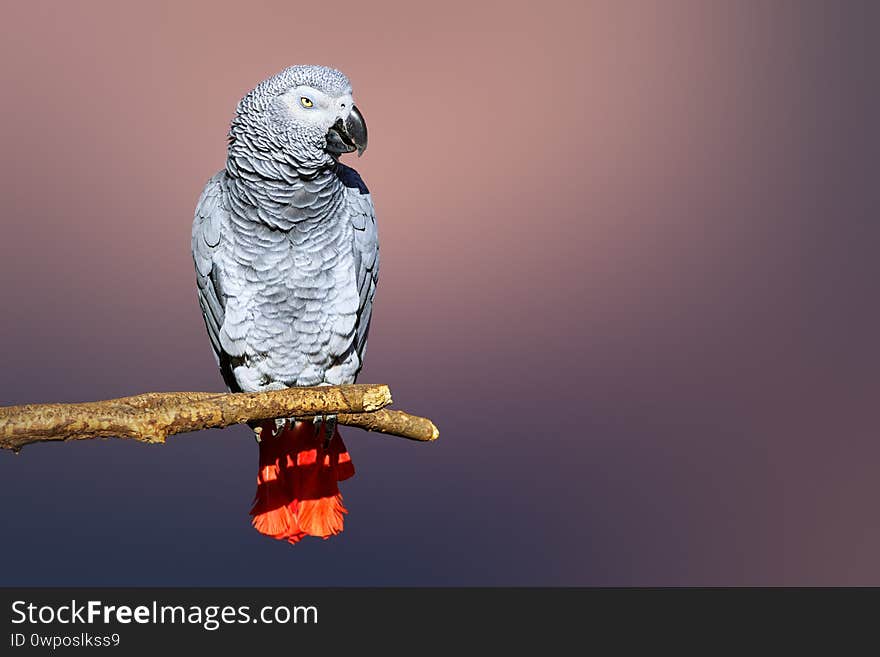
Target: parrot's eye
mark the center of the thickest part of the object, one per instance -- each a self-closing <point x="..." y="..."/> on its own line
<point x="305" y="102"/>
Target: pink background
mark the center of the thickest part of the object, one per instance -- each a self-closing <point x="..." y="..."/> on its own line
<point x="629" y="265"/>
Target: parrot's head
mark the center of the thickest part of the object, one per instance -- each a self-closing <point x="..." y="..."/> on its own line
<point x="304" y="113"/>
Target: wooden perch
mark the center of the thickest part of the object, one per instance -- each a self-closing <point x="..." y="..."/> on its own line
<point x="153" y="416"/>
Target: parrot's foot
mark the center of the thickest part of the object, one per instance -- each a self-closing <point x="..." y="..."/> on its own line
<point x="329" y="422"/>
<point x="282" y="424"/>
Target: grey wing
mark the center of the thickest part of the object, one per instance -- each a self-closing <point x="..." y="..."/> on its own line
<point x="210" y="216"/>
<point x="366" y="259"/>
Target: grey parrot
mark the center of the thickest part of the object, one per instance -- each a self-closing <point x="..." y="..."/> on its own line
<point x="286" y="254"/>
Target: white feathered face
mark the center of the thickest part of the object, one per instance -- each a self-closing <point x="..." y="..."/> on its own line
<point x="333" y="115"/>
<point x="310" y="106"/>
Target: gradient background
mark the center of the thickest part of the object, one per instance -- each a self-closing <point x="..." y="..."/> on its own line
<point x="629" y="267"/>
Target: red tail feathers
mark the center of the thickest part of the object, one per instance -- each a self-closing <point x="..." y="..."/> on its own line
<point x="297" y="491"/>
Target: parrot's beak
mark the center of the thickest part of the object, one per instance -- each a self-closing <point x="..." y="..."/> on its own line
<point x="349" y="135"/>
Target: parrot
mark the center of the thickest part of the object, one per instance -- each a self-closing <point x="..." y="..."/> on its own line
<point x="286" y="253"/>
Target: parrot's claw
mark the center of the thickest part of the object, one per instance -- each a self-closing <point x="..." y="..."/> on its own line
<point x="329" y="422"/>
<point x="282" y="424"/>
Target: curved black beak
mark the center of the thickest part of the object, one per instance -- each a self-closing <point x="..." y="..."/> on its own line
<point x="357" y="129"/>
<point x="349" y="135"/>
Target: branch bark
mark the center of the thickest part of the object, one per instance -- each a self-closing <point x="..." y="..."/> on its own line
<point x="153" y="416"/>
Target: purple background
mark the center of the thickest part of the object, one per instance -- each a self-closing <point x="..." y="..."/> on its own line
<point x="630" y="269"/>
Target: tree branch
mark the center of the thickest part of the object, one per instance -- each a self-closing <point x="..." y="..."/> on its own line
<point x="153" y="416"/>
<point x="394" y="423"/>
